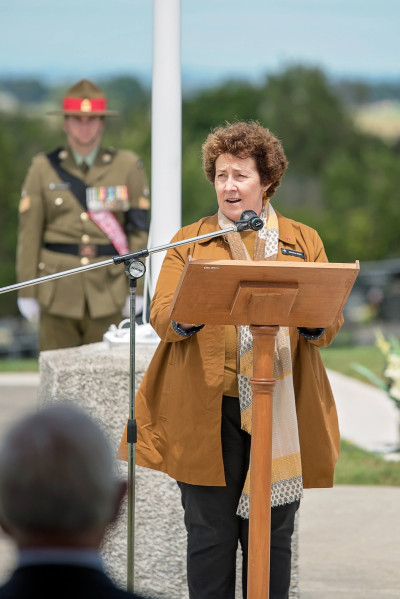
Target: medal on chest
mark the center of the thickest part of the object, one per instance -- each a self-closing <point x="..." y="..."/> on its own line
<point x="112" y="198"/>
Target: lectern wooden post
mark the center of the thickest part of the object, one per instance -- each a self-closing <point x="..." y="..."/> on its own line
<point x="265" y="295"/>
<point x="262" y="386"/>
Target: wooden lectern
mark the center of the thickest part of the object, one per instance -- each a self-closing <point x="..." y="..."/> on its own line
<point x="264" y="295"/>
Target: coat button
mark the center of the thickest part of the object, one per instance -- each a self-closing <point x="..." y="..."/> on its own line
<point x="84" y="261"/>
<point x="85" y="239"/>
<point x="41" y="266"/>
<point x="84" y="216"/>
<point x="58" y="201"/>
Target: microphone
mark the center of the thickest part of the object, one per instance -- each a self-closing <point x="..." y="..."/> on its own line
<point x="249" y="220"/>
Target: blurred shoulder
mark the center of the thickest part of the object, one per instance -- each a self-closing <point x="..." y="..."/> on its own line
<point x="125" y="157"/>
<point x="40" y="160"/>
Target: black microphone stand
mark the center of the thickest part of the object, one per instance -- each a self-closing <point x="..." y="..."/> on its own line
<point x="135" y="269"/>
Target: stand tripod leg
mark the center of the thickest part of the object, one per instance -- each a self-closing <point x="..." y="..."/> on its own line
<point x="262" y="384"/>
<point x="131" y="439"/>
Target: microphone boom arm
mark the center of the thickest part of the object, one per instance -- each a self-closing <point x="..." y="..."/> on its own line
<point x="246" y="222"/>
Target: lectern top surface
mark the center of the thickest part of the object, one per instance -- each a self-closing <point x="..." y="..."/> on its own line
<point x="309" y="294"/>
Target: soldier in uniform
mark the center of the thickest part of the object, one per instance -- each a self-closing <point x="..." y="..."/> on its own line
<point x="80" y="204"/>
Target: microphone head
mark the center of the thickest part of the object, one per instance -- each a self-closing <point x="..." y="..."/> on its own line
<point x="249" y="220"/>
<point x="256" y="223"/>
<point x="253" y="221"/>
<point x="247" y="215"/>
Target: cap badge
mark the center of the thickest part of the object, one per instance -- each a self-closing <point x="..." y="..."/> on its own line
<point x="86" y="105"/>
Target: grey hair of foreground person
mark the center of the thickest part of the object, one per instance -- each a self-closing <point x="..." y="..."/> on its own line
<point x="58" y="478"/>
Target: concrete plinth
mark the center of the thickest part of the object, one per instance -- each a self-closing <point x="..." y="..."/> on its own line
<point x="96" y="378"/>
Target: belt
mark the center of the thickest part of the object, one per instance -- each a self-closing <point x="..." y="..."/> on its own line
<point x="88" y="250"/>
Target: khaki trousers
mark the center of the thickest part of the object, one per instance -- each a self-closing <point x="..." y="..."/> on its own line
<point x="57" y="332"/>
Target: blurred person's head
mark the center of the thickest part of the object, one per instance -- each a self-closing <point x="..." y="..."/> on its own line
<point x="83" y="133"/>
<point x="58" y="484"/>
<point x="84" y="109"/>
<point x="245" y="162"/>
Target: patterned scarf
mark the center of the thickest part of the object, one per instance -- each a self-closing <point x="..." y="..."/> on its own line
<point x="287" y="481"/>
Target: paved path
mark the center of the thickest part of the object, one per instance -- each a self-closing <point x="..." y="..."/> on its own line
<point x="349" y="535"/>
<point x="18" y="395"/>
<point x="349" y="543"/>
<point x="367" y="417"/>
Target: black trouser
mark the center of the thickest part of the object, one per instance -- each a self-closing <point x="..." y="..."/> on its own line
<point x="214" y="530"/>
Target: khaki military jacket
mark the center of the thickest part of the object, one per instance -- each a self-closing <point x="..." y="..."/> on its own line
<point x="178" y="405"/>
<point x="50" y="213"/>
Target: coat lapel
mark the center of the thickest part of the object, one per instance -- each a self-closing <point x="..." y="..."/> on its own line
<point x="67" y="162"/>
<point x="100" y="168"/>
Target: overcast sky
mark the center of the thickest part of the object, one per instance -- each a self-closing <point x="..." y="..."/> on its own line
<point x="220" y="38"/>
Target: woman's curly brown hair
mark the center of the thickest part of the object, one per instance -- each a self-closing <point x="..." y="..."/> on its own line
<point x="244" y="139"/>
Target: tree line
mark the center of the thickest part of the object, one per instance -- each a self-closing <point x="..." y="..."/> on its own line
<point x="340" y="181"/>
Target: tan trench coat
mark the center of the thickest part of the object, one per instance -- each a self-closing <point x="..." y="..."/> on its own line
<point x="178" y="405"/>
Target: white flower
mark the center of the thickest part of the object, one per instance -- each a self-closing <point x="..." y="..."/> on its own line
<point x="382" y="343"/>
<point x="392" y="370"/>
<point x="395" y="390"/>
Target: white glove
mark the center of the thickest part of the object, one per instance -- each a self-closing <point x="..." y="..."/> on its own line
<point x="29" y="308"/>
<point x="126" y="310"/>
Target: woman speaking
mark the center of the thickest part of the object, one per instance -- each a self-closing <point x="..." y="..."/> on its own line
<point x="193" y="407"/>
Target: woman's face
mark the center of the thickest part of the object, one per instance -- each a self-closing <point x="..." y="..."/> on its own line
<point x="238" y="185"/>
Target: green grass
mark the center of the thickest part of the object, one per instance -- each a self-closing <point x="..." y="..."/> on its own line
<point x="20" y="365"/>
<point x="342" y="358"/>
<point x="358" y="467"/>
